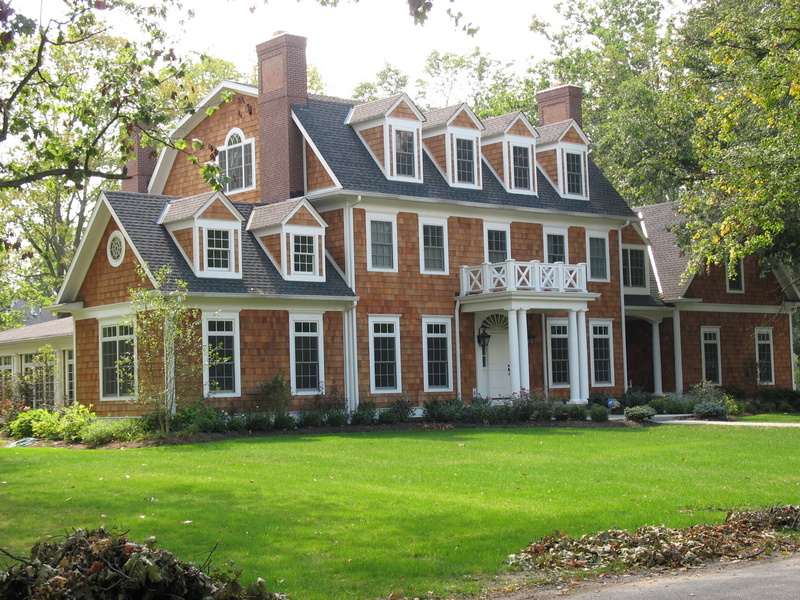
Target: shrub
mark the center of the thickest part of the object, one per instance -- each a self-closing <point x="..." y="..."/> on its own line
<point x="275" y="394"/>
<point x="258" y="421"/>
<point x="310" y="418"/>
<point x="364" y="414"/>
<point x="598" y="413"/>
<point x="706" y="392"/>
<point x="635" y="397"/>
<point x="336" y="418"/>
<point x="658" y="404"/>
<point x="639" y="413"/>
<point x="710" y="410"/>
<point x="449" y="411"/>
<point x="734" y="392"/>
<point x="675" y="406"/>
<point x="200" y="418"/>
<point x="542" y="410"/>
<point x="576" y="412"/>
<point x="22" y="426"/>
<point x="561" y="412"/>
<point x="598" y="398"/>
<point x="236" y="424"/>
<point x="100" y="432"/>
<point x="9" y="412"/>
<point x="75" y="418"/>
<point x="283" y="421"/>
<point x="784" y="407"/>
<point x="521" y="408"/>
<point x="480" y="411"/>
<point x="403" y="408"/>
<point x="47" y="425"/>
<point x="735" y="407"/>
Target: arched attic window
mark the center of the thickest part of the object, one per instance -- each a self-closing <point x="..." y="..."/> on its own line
<point x="236" y="162"/>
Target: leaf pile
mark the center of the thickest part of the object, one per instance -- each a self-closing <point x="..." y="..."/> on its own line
<point x="102" y="565"/>
<point x="743" y="535"/>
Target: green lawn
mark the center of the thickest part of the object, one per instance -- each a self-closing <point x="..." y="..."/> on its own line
<point x="771" y="418"/>
<point x="363" y="515"/>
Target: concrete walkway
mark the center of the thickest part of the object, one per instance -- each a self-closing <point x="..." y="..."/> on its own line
<point x="688" y="420"/>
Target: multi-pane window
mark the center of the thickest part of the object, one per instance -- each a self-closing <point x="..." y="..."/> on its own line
<point x="766" y="367"/>
<point x="598" y="259"/>
<point x="436" y="357"/>
<point x="116" y="360"/>
<point x="221" y="344"/>
<point x="465" y="160"/>
<point x="41" y="379"/>
<point x="236" y="163"/>
<point x="382" y="245"/>
<point x="303" y="254"/>
<point x="6" y="377"/>
<point x="556" y="248"/>
<point x="433" y="248"/>
<point x="306" y="355"/>
<point x="496" y="245"/>
<point x="574" y="173"/>
<point x="602" y="357"/>
<point x="385" y="354"/>
<point x="69" y="376"/>
<point x="521" y="158"/>
<point x="711" y="355"/>
<point x="218" y="249"/>
<point x="404" y="153"/>
<point x="735" y="282"/>
<point x="559" y="354"/>
<point x="634" y="268"/>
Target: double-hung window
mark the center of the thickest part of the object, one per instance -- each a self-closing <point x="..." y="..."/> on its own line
<point x="382" y="243"/>
<point x="597" y="251"/>
<point x="404" y="155"/>
<point x="433" y="241"/>
<point x="764" y="357"/>
<point x="602" y="353"/>
<point x="634" y="269"/>
<point x="712" y="371"/>
<point x="574" y="172"/>
<point x="497" y="244"/>
<point x="521" y="167"/>
<point x="221" y="337"/>
<point x="307" y="354"/>
<point x="236" y="162"/>
<point x="304" y="254"/>
<point x="117" y="364"/>
<point x="555" y="246"/>
<point x="735" y="283"/>
<point x="436" y="352"/>
<point x="465" y="160"/>
<point x="384" y="350"/>
<point x="6" y="377"/>
<point x="558" y="338"/>
<point x="218" y="249"/>
<point x="41" y="378"/>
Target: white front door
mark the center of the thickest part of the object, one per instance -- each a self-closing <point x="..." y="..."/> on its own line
<point x="499" y="365"/>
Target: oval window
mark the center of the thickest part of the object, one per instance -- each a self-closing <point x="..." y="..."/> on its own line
<point x="116" y="249"/>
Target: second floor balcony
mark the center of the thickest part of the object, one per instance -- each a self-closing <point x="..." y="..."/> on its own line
<point x="516" y="276"/>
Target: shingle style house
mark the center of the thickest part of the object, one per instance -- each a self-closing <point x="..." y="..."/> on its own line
<point x="388" y="252"/>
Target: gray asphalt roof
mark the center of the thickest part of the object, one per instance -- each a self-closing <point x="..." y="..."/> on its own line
<point x="343" y="151"/>
<point x="369" y="110"/>
<point x="553" y="132"/>
<point x="139" y="216"/>
<point x="40" y="331"/>
<point x="671" y="261"/>
<point x="183" y="208"/>
<point x="272" y="214"/>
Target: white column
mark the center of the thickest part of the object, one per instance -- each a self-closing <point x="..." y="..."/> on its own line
<point x="524" y="360"/>
<point x="513" y="351"/>
<point x="658" y="388"/>
<point x="676" y="344"/>
<point x="583" y="356"/>
<point x="574" y="359"/>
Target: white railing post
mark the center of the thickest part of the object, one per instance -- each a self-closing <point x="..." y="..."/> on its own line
<point x="511" y="275"/>
<point x="487" y="278"/>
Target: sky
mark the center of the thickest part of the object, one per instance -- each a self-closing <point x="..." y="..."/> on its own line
<point x="350" y="43"/>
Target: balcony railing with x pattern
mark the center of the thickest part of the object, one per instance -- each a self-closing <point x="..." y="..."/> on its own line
<point x="514" y="276"/>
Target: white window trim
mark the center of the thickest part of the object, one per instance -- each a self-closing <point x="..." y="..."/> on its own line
<point x="437" y="223"/>
<point x="767" y="331"/>
<point x="718" y="343"/>
<point x="306" y="318"/>
<point x="610" y="337"/>
<point x="287" y="237"/>
<point x="395" y="320"/>
<point x="740" y="270"/>
<point x="234" y="270"/>
<point x="645" y="290"/>
<point x="446" y="321"/>
<point x="488" y="226"/>
<point x="562" y="231"/>
<point x="101" y="323"/>
<point x="550" y="323"/>
<point x="116" y="236"/>
<point x="388" y="218"/>
<point x="463" y="133"/>
<point x="579" y="149"/>
<point x="237" y="368"/>
<point x="597" y="235"/>
<point x="395" y="125"/>
<point x="245" y="141"/>
<point x="521" y="142"/>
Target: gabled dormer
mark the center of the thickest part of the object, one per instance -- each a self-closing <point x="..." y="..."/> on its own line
<point x="391" y="129"/>
<point x="207" y="229"/>
<point x="508" y="145"/>
<point x="452" y="138"/>
<point x="292" y="233"/>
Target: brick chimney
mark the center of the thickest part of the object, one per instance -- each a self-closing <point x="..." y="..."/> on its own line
<point x="141" y="167"/>
<point x="560" y="103"/>
<point x="282" y="82"/>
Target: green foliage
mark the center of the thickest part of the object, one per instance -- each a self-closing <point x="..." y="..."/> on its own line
<point x="706" y="392"/>
<point x="283" y="421"/>
<point x="561" y="412"/>
<point x="275" y="394"/>
<point x="542" y="410"/>
<point x="598" y="413"/>
<point x="310" y="418"/>
<point x="106" y="431"/>
<point x="46" y="425"/>
<point x="200" y="418"/>
<point x="258" y="421"/>
<point x="658" y="404"/>
<point x="639" y="413"/>
<point x="336" y="418"/>
<point x="481" y="411"/>
<point x="22" y="427"/>
<point x="389" y="81"/>
<point x="447" y="411"/>
<point x="364" y="414"/>
<point x="635" y="397"/>
<point x="577" y="412"/>
<point x="9" y="411"/>
<point x="75" y="418"/>
<point x="710" y="410"/>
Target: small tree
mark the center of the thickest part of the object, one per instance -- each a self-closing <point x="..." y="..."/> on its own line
<point x="166" y="369"/>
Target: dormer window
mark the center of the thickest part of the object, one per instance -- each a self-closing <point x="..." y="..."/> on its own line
<point x="304" y="254"/>
<point x="574" y="174"/>
<point x="521" y="157"/>
<point x="218" y="249"/>
<point x="236" y="162"/>
<point x="465" y="160"/>
<point x="405" y="157"/>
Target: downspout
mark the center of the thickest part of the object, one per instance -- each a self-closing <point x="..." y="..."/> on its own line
<point x="622" y="311"/>
<point x="457" y="321"/>
<point x="350" y="316"/>
<point x="791" y="345"/>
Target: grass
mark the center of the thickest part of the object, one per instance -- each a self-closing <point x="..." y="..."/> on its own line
<point x="362" y="515"/>
<point x="771" y="418"/>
